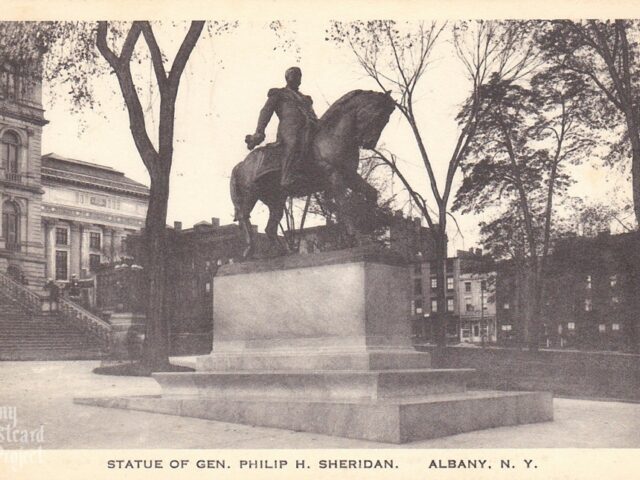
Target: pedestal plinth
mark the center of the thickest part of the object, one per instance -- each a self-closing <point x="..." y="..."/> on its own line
<point x="321" y="343"/>
<point x="327" y="311"/>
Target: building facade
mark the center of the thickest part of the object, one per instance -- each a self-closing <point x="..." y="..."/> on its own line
<point x="21" y="122"/>
<point x="60" y="217"/>
<point x="88" y="210"/>
<point x="470" y="297"/>
<point x="590" y="297"/>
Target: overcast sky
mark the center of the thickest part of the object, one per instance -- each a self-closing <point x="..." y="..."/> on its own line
<point x="222" y="92"/>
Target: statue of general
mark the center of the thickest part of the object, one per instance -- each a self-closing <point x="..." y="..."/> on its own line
<point x="297" y="124"/>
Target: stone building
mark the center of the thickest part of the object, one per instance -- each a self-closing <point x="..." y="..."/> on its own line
<point x="60" y="217"/>
<point x="88" y="210"/>
<point x="21" y="122"/>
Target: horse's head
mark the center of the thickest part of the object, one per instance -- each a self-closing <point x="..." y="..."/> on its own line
<point x="370" y="110"/>
<point x="372" y="115"/>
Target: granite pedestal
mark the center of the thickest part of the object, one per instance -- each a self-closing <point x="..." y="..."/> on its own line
<point x="321" y="343"/>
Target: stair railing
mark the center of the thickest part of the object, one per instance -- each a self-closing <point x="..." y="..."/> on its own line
<point x="21" y="294"/>
<point x="86" y="321"/>
<point x="68" y="311"/>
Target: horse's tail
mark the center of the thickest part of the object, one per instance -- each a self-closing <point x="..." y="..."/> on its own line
<point x="235" y="193"/>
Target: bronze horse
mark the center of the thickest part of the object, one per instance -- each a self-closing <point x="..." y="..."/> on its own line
<point x="331" y="164"/>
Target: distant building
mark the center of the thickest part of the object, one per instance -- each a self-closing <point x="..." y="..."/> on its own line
<point x="476" y="298"/>
<point x="590" y="299"/>
<point x="88" y="210"/>
<point x="193" y="257"/>
<point x="470" y="306"/>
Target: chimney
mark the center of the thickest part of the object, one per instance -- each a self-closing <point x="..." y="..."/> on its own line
<point x="177" y="226"/>
<point x="215" y="222"/>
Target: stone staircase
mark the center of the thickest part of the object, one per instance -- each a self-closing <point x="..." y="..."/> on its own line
<point x="29" y="332"/>
<point x="33" y="336"/>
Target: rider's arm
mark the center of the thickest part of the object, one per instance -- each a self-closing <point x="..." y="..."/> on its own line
<point x="267" y="111"/>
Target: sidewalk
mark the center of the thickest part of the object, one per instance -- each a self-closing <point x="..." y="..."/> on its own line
<point x="42" y="393"/>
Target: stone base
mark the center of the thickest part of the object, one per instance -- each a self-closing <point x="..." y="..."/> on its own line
<point x="321" y="343"/>
<point x="322" y="385"/>
<point x="313" y="360"/>
<point x="383" y="420"/>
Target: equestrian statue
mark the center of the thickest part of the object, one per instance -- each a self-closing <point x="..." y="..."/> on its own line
<point x="309" y="154"/>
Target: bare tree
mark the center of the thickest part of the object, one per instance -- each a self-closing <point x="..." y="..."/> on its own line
<point x="397" y="56"/>
<point x="65" y="53"/>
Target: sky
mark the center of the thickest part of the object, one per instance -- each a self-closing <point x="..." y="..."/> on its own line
<point x="222" y="91"/>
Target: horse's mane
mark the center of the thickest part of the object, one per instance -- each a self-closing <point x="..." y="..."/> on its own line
<point x="337" y="108"/>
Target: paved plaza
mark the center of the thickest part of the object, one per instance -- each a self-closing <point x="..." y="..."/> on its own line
<point x="42" y="394"/>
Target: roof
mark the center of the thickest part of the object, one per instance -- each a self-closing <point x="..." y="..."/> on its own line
<point x="60" y="169"/>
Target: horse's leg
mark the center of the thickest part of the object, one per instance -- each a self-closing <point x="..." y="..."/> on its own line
<point x="359" y="184"/>
<point x="338" y="191"/>
<point x="276" y="211"/>
<point x="243" y="216"/>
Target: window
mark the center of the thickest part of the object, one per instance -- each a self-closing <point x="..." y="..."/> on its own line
<point x="615" y="327"/>
<point x="506" y="328"/>
<point x="434" y="283"/>
<point x="571" y="326"/>
<point x="588" y="281"/>
<point x="449" y="304"/>
<point x="468" y="304"/>
<point x="9" y="82"/>
<point x="94" y="261"/>
<point x="506" y="306"/>
<point x="94" y="240"/>
<point x="11" y="225"/>
<point x="207" y="287"/>
<point x="417" y="286"/>
<point x="98" y="201"/>
<point x="615" y="300"/>
<point x="613" y="280"/>
<point x="588" y="306"/>
<point x="61" y="265"/>
<point x="417" y="305"/>
<point x="467" y="287"/>
<point x="449" y="283"/>
<point x="62" y="236"/>
<point x="483" y="285"/>
<point x="602" y="328"/>
<point x="10" y="148"/>
<point x="434" y="305"/>
<point x="417" y="268"/>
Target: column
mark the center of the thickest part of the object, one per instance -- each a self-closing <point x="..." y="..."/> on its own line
<point x="75" y="250"/>
<point x="50" y="249"/>
<point x="107" y="239"/>
<point x="85" y="238"/>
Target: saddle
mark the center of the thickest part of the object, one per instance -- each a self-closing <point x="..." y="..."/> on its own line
<point x="268" y="160"/>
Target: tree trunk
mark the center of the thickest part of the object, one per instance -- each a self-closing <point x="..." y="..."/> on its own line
<point x="534" y="299"/>
<point x="441" y="276"/>
<point x="155" y="354"/>
<point x="634" y="136"/>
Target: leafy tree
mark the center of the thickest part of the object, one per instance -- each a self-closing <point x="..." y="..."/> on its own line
<point x="73" y="54"/>
<point x="604" y="57"/>
<point x="396" y="56"/>
<point x="529" y="133"/>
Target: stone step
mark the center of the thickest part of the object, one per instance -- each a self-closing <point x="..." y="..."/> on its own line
<point x="308" y="360"/>
<point x="330" y="384"/>
<point x="395" y="420"/>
